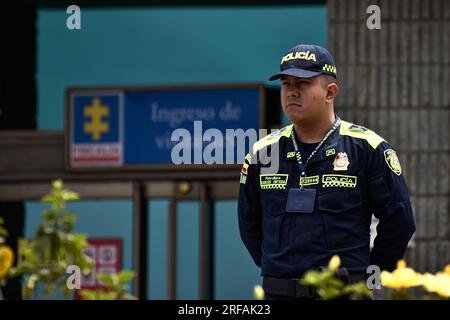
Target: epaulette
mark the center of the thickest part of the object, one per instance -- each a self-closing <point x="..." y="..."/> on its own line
<point x="272" y="138"/>
<point x="356" y="131"/>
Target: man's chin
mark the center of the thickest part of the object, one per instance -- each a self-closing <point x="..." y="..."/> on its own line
<point x="295" y="118"/>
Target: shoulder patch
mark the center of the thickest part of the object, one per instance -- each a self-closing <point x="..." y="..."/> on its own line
<point x="272" y="138"/>
<point x="244" y="170"/>
<point x="356" y="131"/>
<point x="392" y="160"/>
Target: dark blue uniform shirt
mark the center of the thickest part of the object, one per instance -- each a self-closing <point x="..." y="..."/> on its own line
<point x="355" y="173"/>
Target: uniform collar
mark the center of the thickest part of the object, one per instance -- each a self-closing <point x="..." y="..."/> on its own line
<point x="321" y="154"/>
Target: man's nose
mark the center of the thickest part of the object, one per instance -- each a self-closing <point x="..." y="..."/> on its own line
<point x="293" y="92"/>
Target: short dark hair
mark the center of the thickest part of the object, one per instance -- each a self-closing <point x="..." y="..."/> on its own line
<point x="326" y="79"/>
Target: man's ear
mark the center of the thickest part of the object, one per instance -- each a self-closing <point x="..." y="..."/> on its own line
<point x="332" y="91"/>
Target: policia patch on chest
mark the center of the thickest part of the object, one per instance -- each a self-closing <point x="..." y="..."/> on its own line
<point x="338" y="180"/>
<point x="273" y="181"/>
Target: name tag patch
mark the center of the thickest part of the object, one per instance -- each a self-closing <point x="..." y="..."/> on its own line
<point x="273" y="181"/>
<point x="307" y="181"/>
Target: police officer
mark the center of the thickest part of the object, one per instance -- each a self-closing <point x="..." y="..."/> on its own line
<point x="330" y="177"/>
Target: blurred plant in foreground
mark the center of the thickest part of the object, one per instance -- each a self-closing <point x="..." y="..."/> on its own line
<point x="116" y="289"/>
<point x="400" y="280"/>
<point x="403" y="278"/>
<point x="43" y="261"/>
<point x="6" y="254"/>
<point x="439" y="283"/>
<point x="329" y="286"/>
<point x="258" y="292"/>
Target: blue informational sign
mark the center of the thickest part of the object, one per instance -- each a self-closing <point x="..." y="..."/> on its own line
<point x="128" y="127"/>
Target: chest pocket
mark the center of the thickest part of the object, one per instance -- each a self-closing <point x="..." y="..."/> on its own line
<point x="273" y="193"/>
<point x="342" y="215"/>
<point x="273" y="203"/>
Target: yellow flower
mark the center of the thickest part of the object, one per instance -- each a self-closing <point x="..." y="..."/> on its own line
<point x="402" y="277"/>
<point x="334" y="263"/>
<point x="439" y="283"/>
<point x="6" y="260"/>
<point x="401" y="264"/>
<point x="258" y="292"/>
<point x="447" y="269"/>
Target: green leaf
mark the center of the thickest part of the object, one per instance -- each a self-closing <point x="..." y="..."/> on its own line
<point x="69" y="195"/>
<point x="69" y="217"/>
<point x="97" y="295"/>
<point x="4" y="232"/>
<point x="108" y="278"/>
<point x="311" y="278"/>
<point x="125" y="276"/>
<point x="88" y="294"/>
<point x="70" y="214"/>
<point x="80" y="241"/>
<point x="330" y="293"/>
<point x="335" y="282"/>
<point x="85" y="262"/>
<point x="48" y="214"/>
<point x="107" y="295"/>
<point x="357" y="290"/>
<point x="49" y="198"/>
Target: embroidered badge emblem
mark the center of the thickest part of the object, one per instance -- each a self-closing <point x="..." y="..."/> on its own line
<point x="392" y="160"/>
<point x="341" y="162"/>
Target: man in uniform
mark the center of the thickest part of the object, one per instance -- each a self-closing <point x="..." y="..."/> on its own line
<point x="318" y="201"/>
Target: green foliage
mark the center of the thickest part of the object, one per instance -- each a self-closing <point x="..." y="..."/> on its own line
<point x="329" y="286"/>
<point x="44" y="259"/>
<point x="4" y="266"/>
<point x="115" y="287"/>
<point x="399" y="294"/>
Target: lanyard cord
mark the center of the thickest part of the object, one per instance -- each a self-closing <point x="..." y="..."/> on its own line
<point x="301" y="166"/>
